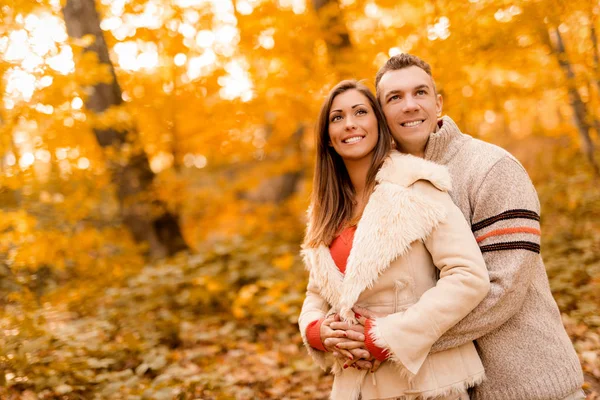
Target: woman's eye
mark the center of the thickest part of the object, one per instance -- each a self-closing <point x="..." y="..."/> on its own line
<point x="361" y="112"/>
<point x="336" y="118"/>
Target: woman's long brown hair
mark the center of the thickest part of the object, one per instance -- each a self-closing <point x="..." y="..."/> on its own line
<point x="332" y="200"/>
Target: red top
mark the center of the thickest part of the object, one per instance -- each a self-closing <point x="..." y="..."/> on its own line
<point x="340" y="251"/>
<point x="340" y="247"/>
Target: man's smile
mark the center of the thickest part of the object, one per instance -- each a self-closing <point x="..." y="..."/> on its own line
<point x="410" y="124"/>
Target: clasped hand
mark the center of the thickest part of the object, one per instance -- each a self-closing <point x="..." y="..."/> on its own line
<point x="347" y="341"/>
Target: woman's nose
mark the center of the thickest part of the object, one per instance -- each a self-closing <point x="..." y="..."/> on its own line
<point x="350" y="124"/>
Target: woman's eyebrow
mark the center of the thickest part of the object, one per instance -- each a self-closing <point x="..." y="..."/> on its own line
<point x="340" y="110"/>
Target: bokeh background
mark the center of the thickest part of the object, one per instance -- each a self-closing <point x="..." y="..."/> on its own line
<point x="156" y="161"/>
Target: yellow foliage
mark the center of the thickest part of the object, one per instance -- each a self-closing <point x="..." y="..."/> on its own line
<point x="284" y="262"/>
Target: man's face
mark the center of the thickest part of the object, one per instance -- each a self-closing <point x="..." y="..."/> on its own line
<point x="410" y="106"/>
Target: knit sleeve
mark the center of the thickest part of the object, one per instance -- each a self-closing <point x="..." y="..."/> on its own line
<point x="380" y="353"/>
<point x="313" y="334"/>
<point x="505" y="222"/>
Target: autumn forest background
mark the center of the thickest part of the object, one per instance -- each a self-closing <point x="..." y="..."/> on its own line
<point x="156" y="161"/>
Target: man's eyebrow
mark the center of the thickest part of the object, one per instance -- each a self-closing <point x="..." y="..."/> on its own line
<point x="394" y="91"/>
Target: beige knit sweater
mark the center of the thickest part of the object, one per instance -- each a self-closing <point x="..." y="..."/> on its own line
<point x="518" y="331"/>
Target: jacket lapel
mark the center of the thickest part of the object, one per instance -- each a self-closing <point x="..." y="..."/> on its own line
<point x="324" y="273"/>
<point x="394" y="217"/>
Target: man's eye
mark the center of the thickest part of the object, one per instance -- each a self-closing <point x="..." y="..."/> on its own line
<point x="394" y="97"/>
<point x="421" y="92"/>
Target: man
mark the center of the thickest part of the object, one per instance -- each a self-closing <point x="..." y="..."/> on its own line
<point x="517" y="328"/>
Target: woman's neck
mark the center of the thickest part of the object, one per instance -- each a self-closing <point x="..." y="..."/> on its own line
<point x="357" y="171"/>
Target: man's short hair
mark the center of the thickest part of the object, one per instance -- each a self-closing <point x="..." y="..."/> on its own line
<point x="402" y="61"/>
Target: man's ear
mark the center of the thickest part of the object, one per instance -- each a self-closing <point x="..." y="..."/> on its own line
<point x="439" y="102"/>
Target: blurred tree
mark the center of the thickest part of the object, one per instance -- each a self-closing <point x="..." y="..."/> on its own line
<point x="581" y="115"/>
<point x="131" y="172"/>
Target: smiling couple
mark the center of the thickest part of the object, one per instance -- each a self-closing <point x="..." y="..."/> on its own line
<point x="423" y="249"/>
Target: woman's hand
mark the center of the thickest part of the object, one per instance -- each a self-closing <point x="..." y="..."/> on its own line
<point x="331" y="337"/>
<point x="355" y="345"/>
<point x="363" y="358"/>
<point x="362" y="314"/>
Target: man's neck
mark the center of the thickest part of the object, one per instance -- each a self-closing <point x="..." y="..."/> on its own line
<point x="417" y="151"/>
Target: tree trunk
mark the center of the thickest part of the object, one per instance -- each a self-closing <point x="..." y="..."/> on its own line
<point x="133" y="179"/>
<point x="596" y="54"/>
<point x="279" y="188"/>
<point x="580" y="112"/>
<point x="335" y="34"/>
<point x="595" y="49"/>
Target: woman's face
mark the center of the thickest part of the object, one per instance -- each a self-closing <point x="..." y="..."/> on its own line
<point x="353" y="128"/>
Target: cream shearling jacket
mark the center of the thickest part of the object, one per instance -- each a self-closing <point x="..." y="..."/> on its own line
<point x="415" y="260"/>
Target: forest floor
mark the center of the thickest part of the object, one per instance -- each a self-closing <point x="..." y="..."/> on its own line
<point x="217" y="359"/>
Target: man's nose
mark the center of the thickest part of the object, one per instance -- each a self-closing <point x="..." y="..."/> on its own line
<point x="410" y="104"/>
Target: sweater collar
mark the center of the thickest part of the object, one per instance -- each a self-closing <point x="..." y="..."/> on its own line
<point x="443" y="144"/>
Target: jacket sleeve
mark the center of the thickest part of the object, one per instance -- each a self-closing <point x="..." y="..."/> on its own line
<point x="314" y="308"/>
<point x="463" y="283"/>
<point x="506" y="224"/>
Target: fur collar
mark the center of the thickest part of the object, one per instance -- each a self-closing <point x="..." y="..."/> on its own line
<point x="394" y="217"/>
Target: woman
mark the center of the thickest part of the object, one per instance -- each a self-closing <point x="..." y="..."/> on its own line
<point x="381" y="230"/>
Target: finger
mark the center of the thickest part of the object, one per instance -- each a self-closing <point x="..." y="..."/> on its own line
<point x="330" y="317"/>
<point x="338" y="333"/>
<point x="347" y="355"/>
<point x="356" y="327"/>
<point x="354" y="335"/>
<point x="347" y="326"/>
<point x="331" y="333"/>
<point x="376" y="365"/>
<point x="350" y="344"/>
<point x="340" y="325"/>
<point x="350" y="362"/>
<point x="361" y="311"/>
<point x="363" y="364"/>
<point x="361" y="353"/>
<point x="331" y="341"/>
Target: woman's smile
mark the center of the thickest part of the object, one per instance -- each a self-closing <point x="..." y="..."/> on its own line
<point x="353" y="139"/>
